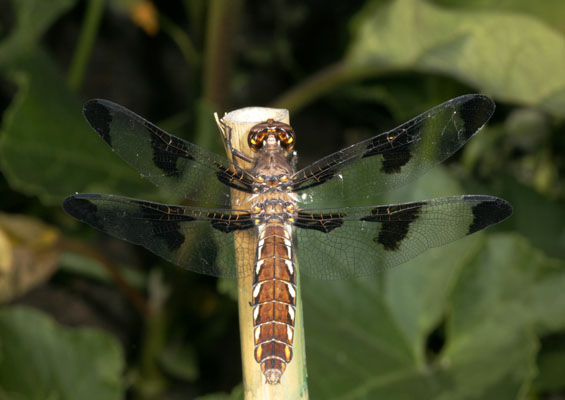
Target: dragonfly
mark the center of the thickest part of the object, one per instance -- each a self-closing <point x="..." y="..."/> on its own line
<point x="322" y="218"/>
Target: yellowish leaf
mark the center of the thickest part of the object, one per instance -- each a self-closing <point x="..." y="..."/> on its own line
<point x="144" y="14"/>
<point x="29" y="254"/>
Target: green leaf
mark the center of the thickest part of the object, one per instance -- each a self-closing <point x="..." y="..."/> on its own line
<point x="33" y="18"/>
<point x="40" y="359"/>
<point x="179" y="360"/>
<point x="404" y="96"/>
<point x="508" y="56"/>
<point x="551" y="366"/>
<point x="485" y="296"/>
<point x="366" y="339"/>
<point x="93" y="269"/>
<point x="48" y="149"/>
<point x="540" y="221"/>
<point x="551" y="11"/>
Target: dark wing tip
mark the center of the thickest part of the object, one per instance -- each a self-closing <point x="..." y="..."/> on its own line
<point x="477" y="100"/>
<point x="475" y="111"/>
<point x="80" y="207"/>
<point x="488" y="212"/>
<point x="99" y="117"/>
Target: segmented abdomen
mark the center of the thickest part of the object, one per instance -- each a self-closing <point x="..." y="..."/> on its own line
<point x="274" y="299"/>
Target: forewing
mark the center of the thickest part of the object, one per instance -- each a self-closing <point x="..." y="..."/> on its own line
<point x="198" y="239"/>
<point x="390" y="159"/>
<point x="361" y="241"/>
<point x="183" y="169"/>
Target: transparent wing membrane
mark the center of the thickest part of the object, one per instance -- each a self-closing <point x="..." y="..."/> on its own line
<point x="198" y="239"/>
<point x="357" y="174"/>
<point x="361" y="241"/>
<point x="185" y="170"/>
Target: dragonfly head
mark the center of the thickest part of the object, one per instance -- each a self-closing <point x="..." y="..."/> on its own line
<point x="279" y="131"/>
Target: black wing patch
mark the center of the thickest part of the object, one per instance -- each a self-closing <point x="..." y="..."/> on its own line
<point x="165" y="222"/>
<point x="231" y="222"/>
<point x="236" y="179"/>
<point x="394" y="148"/>
<point x="395" y="220"/>
<point x="319" y="221"/>
<point x="487" y="213"/>
<point x="99" y="118"/>
<point x="166" y="155"/>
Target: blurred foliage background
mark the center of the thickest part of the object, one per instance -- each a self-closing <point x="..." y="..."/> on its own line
<point x="85" y="316"/>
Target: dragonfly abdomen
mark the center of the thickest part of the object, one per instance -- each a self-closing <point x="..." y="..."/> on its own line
<point x="274" y="299"/>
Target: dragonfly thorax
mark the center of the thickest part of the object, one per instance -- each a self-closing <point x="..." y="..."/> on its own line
<point x="272" y="183"/>
<point x="272" y="170"/>
<point x="268" y="209"/>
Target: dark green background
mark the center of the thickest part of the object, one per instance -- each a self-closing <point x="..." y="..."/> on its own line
<point x="482" y="318"/>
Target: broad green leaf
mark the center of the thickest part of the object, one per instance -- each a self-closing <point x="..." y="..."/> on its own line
<point x="358" y="345"/>
<point x="511" y="57"/>
<point x="551" y="366"/>
<point x="388" y="316"/>
<point x="541" y="223"/>
<point x="551" y="11"/>
<point x="513" y="278"/>
<point x="48" y="149"/>
<point x="366" y="338"/>
<point x="90" y="268"/>
<point x="179" y="360"/>
<point x="404" y="96"/>
<point x="40" y="359"/>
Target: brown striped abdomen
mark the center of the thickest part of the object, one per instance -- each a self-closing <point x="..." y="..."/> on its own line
<point x="274" y="299"/>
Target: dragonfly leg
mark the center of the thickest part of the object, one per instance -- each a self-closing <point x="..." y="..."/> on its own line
<point x="228" y="143"/>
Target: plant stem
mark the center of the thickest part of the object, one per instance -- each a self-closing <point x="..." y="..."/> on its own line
<point x="293" y="383"/>
<point x="223" y="17"/>
<point x="320" y="83"/>
<point x="195" y="11"/>
<point x="182" y="40"/>
<point x="86" y="41"/>
<point x="152" y="383"/>
<point x="136" y="299"/>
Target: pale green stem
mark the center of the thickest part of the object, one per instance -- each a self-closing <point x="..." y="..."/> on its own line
<point x="85" y="43"/>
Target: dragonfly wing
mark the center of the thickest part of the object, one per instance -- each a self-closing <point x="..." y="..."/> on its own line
<point x="198" y="239"/>
<point x="183" y="169"/>
<point x="361" y="241"/>
<point x="391" y="159"/>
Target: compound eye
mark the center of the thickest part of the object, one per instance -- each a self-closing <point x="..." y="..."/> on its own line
<point x="255" y="139"/>
<point x="287" y="142"/>
<point x="258" y="134"/>
<point x="286" y="139"/>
